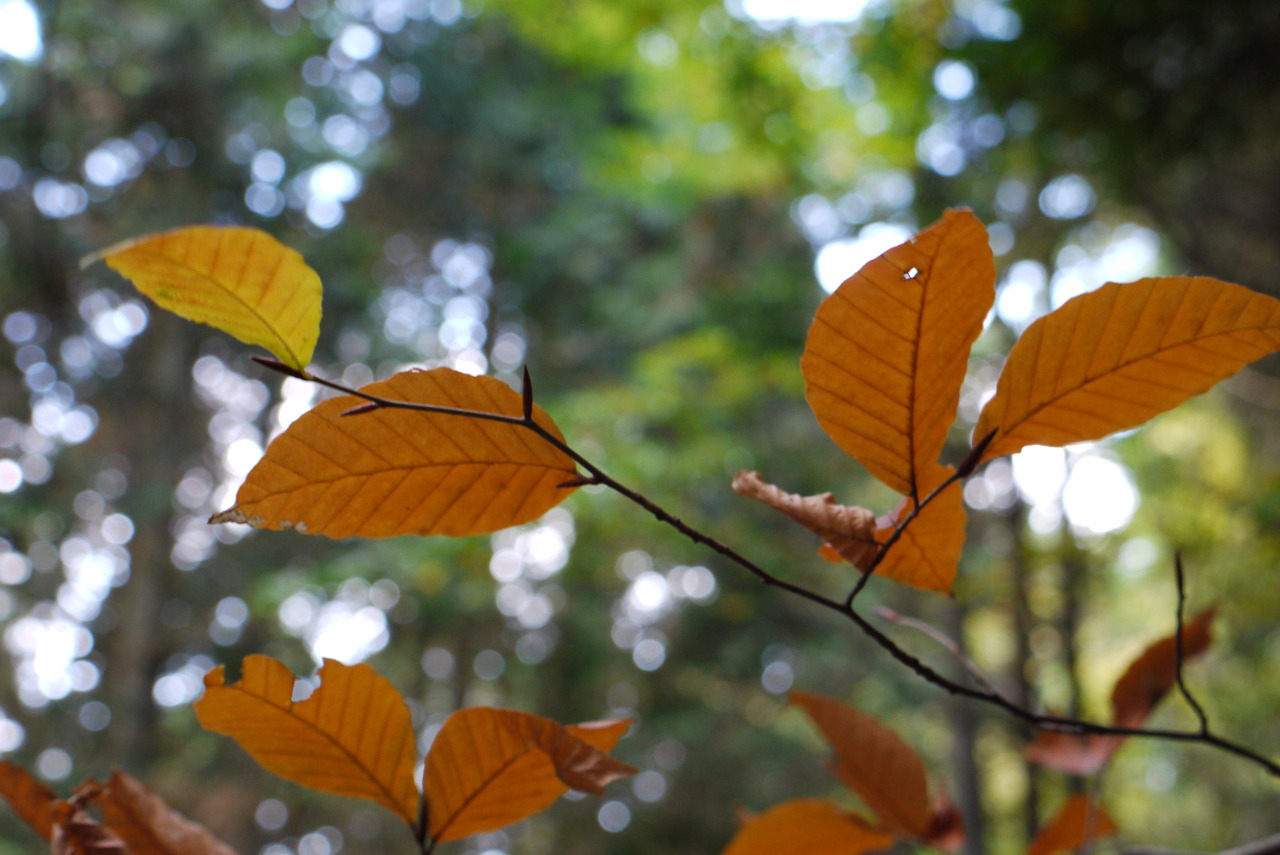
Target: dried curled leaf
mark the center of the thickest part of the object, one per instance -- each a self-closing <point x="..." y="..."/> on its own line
<point x="487" y="768"/>
<point x="149" y="826"/>
<point x="1077" y="823"/>
<point x="808" y="826"/>
<point x="352" y="737"/>
<point x="1111" y="359"/>
<point x="239" y="280"/>
<point x="31" y="800"/>
<point x="887" y="351"/>
<point x="849" y="530"/>
<point x="875" y="763"/>
<point x="388" y="472"/>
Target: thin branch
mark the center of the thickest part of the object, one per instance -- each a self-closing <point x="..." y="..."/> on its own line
<point x="1178" y="656"/>
<point x="1059" y="724"/>
<point x="952" y="646"/>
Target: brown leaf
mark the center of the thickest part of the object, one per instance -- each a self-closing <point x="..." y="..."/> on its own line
<point x="928" y="552"/>
<point x="31" y="800"/>
<point x="391" y="472"/>
<point x="1153" y="673"/>
<point x="849" y="530"/>
<point x="488" y="768"/>
<point x="946" y="827"/>
<point x="76" y="833"/>
<point x="1071" y="753"/>
<point x="352" y="737"/>
<point x="148" y="826"/>
<point x="1077" y="823"/>
<point x="875" y="763"/>
<point x="807" y="826"/>
<point x="1111" y="359"/>
<point x="887" y="351"/>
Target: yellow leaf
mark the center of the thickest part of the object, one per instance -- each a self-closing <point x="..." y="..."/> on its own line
<point x="887" y="351"/>
<point x="1111" y="359"/>
<point x="487" y="768"/>
<point x="31" y="800"/>
<point x="875" y="763"/>
<point x="148" y="826"/>
<point x="351" y="737"/>
<point x="240" y="280"/>
<point x="849" y="530"/>
<point x="928" y="553"/>
<point x="390" y="472"/>
<point x="1077" y="823"/>
<point x="808" y="826"/>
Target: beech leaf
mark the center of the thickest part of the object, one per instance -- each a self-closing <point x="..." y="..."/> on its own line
<point x="875" y="763"/>
<point x="390" y="471"/>
<point x="1076" y="824"/>
<point x="809" y="826"/>
<point x="849" y="530"/>
<point x="148" y="826"/>
<point x="1071" y="753"/>
<point x="887" y="351"/>
<point x="1113" y="358"/>
<point x="351" y="737"/>
<point x="928" y="552"/>
<point x="1154" y="672"/>
<point x="239" y="280"/>
<point x="487" y="768"/>
<point x="31" y="800"/>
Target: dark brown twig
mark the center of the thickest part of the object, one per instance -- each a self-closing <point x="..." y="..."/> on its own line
<point x="1059" y="724"/>
<point x="1178" y="656"/>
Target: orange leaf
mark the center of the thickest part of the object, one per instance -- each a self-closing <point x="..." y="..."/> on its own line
<point x="351" y="737"/>
<point x="148" y="826"/>
<point x="388" y="472"/>
<point x="1111" y="359"/>
<point x="887" y="351"/>
<point x="1078" y="823"/>
<point x="1153" y="673"/>
<point x="487" y="768"/>
<point x="809" y="826"/>
<point x="928" y="553"/>
<point x="1071" y="753"/>
<point x="240" y="280"/>
<point x="31" y="800"/>
<point x="875" y="763"/>
<point x="850" y="531"/>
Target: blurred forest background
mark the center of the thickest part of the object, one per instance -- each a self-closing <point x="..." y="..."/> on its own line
<point x="643" y="202"/>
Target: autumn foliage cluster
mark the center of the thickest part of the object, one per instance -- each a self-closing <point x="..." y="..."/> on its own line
<point x="437" y="452"/>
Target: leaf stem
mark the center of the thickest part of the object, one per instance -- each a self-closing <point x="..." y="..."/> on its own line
<point x="1059" y="724"/>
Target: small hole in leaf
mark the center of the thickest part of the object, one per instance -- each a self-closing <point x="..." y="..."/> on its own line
<point x="912" y="273"/>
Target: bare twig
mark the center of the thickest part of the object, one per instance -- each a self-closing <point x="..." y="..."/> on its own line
<point x="1178" y="656"/>
<point x="952" y="646"/>
<point x="1263" y="846"/>
<point x="1059" y="724"/>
